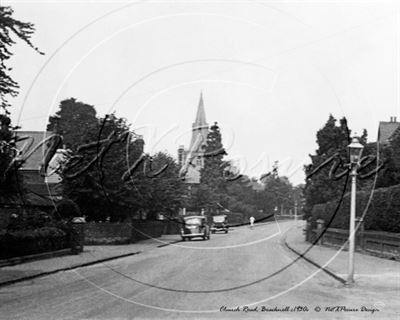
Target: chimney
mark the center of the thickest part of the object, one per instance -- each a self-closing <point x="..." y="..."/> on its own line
<point x="181" y="156"/>
<point x="394" y="119"/>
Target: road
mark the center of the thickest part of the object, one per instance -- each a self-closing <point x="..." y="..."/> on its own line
<point x="196" y="280"/>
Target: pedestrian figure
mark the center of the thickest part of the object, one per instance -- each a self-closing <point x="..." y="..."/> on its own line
<point x="252" y="222"/>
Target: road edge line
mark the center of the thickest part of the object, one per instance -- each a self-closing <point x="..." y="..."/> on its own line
<point x="315" y="264"/>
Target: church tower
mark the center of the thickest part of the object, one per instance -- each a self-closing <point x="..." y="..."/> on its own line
<point x="192" y="160"/>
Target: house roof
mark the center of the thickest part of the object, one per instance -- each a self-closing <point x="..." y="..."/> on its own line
<point x="386" y="130"/>
<point x="36" y="158"/>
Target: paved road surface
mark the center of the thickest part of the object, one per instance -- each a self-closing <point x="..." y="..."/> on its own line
<point x="196" y="279"/>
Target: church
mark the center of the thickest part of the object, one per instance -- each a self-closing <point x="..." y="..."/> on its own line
<point x="191" y="160"/>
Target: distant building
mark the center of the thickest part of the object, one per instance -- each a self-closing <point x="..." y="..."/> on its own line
<point x="386" y="130"/>
<point x="45" y="187"/>
<point x="191" y="160"/>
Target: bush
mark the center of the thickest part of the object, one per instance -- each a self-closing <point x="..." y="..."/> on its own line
<point x="30" y="220"/>
<point x="25" y="242"/>
<point x="67" y="209"/>
<point x="383" y="213"/>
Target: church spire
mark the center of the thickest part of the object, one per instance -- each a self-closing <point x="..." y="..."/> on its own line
<point x="199" y="128"/>
<point x="201" y="114"/>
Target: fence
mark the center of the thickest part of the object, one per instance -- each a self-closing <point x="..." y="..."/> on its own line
<point x="288" y="217"/>
<point x="378" y="242"/>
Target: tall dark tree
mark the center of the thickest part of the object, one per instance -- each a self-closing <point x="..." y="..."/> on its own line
<point x="331" y="139"/>
<point x="102" y="152"/>
<point x="76" y="122"/>
<point x="212" y="174"/>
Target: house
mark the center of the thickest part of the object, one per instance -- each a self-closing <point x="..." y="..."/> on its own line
<point x="42" y="188"/>
<point x="386" y="130"/>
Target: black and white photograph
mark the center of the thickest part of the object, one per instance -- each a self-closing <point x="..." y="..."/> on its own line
<point x="199" y="159"/>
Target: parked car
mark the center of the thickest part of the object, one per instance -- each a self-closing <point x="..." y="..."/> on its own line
<point x="220" y="223"/>
<point x="195" y="226"/>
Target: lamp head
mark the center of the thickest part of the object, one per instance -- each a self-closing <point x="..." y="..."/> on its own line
<point x="355" y="150"/>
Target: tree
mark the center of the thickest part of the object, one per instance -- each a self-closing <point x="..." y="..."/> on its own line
<point x="277" y="194"/>
<point x="76" y="122"/>
<point x="212" y="174"/>
<point x="93" y="177"/>
<point x="159" y="193"/>
<point x="331" y="139"/>
<point x="320" y="188"/>
<point x="10" y="180"/>
<point x="390" y="154"/>
<point x="9" y="27"/>
<point x="109" y="176"/>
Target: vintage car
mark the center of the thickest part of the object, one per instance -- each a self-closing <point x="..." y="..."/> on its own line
<point x="195" y="226"/>
<point x="220" y="223"/>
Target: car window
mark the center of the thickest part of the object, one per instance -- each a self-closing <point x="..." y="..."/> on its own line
<point x="193" y="221"/>
<point x="219" y="219"/>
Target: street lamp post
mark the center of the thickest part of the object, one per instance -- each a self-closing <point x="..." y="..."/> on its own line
<point x="355" y="151"/>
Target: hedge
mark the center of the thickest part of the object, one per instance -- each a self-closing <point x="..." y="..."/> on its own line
<point x="383" y="213"/>
<point x="26" y="242"/>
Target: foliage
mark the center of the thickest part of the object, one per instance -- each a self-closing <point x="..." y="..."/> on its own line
<point x="212" y="181"/>
<point x="277" y="194"/>
<point x="320" y="188"/>
<point x="76" y="122"/>
<point x="29" y="220"/>
<point x="383" y="212"/>
<point x="66" y="209"/>
<point x="96" y="183"/>
<point x="9" y="27"/>
<point x="109" y="176"/>
<point x="212" y="174"/>
<point x="25" y="242"/>
<point x="162" y="193"/>
<point x="10" y="178"/>
<point x="390" y="154"/>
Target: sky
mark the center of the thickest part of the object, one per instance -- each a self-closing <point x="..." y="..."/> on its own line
<point x="270" y="72"/>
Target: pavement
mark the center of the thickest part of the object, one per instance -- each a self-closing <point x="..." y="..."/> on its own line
<point x="333" y="261"/>
<point x="368" y="269"/>
<point x="91" y="255"/>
